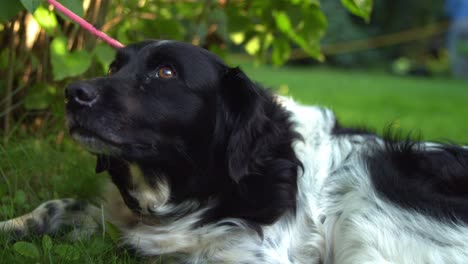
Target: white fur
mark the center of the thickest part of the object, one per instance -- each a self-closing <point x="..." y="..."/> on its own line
<point x="339" y="218"/>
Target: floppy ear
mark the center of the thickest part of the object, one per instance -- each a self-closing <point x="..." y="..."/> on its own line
<point x="259" y="157"/>
<point x="244" y="117"/>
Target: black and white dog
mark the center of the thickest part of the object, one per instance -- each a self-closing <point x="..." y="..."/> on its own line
<point x="209" y="167"/>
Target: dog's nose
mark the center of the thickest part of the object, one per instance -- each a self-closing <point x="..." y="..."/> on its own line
<point x="81" y="93"/>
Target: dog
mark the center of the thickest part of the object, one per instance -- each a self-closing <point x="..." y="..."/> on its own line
<point x="207" y="166"/>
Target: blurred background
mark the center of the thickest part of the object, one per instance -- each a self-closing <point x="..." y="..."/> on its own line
<point x="381" y="63"/>
<point x="390" y="61"/>
<point x="394" y="61"/>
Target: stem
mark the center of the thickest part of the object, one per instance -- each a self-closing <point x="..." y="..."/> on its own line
<point x="45" y="59"/>
<point x="10" y="78"/>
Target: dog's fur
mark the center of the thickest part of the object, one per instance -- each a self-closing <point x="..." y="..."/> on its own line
<point x="209" y="167"/>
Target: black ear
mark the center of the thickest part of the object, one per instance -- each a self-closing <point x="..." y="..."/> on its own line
<point x="245" y="118"/>
<point x="259" y="157"/>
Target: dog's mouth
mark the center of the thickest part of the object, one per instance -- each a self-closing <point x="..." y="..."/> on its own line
<point x="95" y="143"/>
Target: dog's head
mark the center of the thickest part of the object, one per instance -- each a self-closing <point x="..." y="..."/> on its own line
<point x="182" y="117"/>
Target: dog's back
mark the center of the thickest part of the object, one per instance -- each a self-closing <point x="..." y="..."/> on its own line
<point x="209" y="167"/>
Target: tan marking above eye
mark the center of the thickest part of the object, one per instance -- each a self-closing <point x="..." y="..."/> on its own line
<point x="166" y="72"/>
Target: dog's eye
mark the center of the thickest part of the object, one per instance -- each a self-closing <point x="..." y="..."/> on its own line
<point x="165" y="72"/>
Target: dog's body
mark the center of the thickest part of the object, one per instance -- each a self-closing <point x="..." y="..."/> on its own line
<point x="208" y="167"/>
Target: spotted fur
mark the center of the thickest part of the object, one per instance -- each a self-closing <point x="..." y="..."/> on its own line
<point x="209" y="167"/>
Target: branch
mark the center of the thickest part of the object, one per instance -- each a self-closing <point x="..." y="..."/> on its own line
<point x="10" y="78"/>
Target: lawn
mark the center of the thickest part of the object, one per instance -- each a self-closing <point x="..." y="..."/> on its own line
<point x="437" y="108"/>
<point x="34" y="169"/>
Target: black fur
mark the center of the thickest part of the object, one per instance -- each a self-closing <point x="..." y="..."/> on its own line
<point x="213" y="133"/>
<point x="52" y="209"/>
<point x="76" y="206"/>
<point x="339" y="130"/>
<point x="432" y="182"/>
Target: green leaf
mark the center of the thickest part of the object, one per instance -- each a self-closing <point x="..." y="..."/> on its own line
<point x="31" y="5"/>
<point x="282" y="21"/>
<point x="46" y="19"/>
<point x="362" y="8"/>
<point x="267" y="40"/>
<point x="67" y="252"/>
<point x="104" y="54"/>
<point x="39" y="96"/>
<point x="281" y="51"/>
<point x="314" y="24"/>
<point x="9" y="9"/>
<point x="76" y="6"/>
<point x="113" y="232"/>
<point x="253" y="46"/>
<point x="237" y="37"/>
<point x="47" y="243"/>
<point x="27" y="249"/>
<point x="67" y="64"/>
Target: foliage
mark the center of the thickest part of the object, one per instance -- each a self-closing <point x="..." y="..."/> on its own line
<point x="41" y="49"/>
<point x="26" y="249"/>
<point x="360" y="8"/>
<point x="66" y="252"/>
<point x="387" y="17"/>
<point x="342" y="28"/>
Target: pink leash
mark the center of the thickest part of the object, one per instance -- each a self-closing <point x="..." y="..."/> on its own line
<point x="86" y="25"/>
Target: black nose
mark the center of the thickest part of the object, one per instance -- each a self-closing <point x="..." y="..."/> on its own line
<point x="81" y="93"/>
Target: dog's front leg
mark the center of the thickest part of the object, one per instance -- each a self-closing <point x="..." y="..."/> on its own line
<point x="63" y="216"/>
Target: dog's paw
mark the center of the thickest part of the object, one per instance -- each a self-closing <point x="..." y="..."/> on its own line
<point x="73" y="218"/>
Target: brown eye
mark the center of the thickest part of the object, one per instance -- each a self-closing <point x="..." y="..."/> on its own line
<point x="166" y="72"/>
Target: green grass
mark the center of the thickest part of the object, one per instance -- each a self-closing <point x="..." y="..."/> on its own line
<point x="437" y="108"/>
<point x="33" y="170"/>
